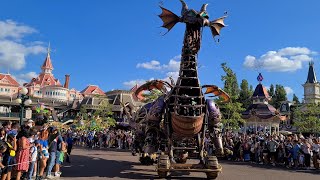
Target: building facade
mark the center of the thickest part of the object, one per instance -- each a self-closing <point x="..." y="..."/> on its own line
<point x="46" y="87"/>
<point x="311" y="86"/>
<point x="9" y="87"/>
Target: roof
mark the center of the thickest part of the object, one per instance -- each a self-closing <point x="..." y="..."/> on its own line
<point x="47" y="64"/>
<point x="92" y="89"/>
<point x="44" y="80"/>
<point x="263" y="111"/>
<point x="8" y="80"/>
<point x="311" y="74"/>
<point x="93" y="101"/>
<point x="261" y="91"/>
<point x="118" y="91"/>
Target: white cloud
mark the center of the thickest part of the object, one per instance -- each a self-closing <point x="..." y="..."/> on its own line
<point x="13" y="53"/>
<point x="155" y="65"/>
<point x="24" y="78"/>
<point x="173" y="65"/>
<point x="11" y="29"/>
<point x="167" y="70"/>
<point x="288" y="59"/>
<point x="292" y="51"/>
<point x="289" y="90"/>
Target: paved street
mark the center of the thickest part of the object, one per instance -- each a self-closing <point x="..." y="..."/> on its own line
<point x="102" y="164"/>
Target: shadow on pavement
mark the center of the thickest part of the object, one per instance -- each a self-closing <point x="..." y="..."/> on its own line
<point x="277" y="168"/>
<point x="84" y="166"/>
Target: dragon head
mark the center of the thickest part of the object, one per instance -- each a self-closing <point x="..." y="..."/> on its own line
<point x="191" y="16"/>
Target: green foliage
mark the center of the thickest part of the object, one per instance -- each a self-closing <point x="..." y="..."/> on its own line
<point x="105" y="113"/>
<point x="83" y="113"/>
<point x="152" y="95"/>
<point x="271" y="94"/>
<point x="271" y="90"/>
<point x="280" y="95"/>
<point x="232" y="115"/>
<point x="230" y="82"/>
<point x="295" y="99"/>
<point x="245" y="94"/>
<point x="306" y="118"/>
<point x="231" y="112"/>
<point x="277" y="94"/>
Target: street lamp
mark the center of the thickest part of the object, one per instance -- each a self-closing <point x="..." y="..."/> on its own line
<point x="23" y="100"/>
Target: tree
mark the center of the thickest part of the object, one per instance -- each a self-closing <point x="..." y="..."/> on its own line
<point x="245" y="94"/>
<point x="280" y="95"/>
<point x="83" y="113"/>
<point x="231" y="112"/>
<point x="230" y="82"/>
<point x="104" y="112"/>
<point x="231" y="115"/>
<point x="271" y="94"/>
<point x="307" y="118"/>
<point x="152" y="95"/>
<point x="295" y="99"/>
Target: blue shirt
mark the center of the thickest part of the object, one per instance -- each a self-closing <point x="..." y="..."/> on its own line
<point x="296" y="149"/>
<point x="69" y="141"/>
<point x="44" y="143"/>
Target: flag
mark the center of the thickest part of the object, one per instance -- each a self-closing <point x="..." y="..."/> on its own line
<point x="260" y="77"/>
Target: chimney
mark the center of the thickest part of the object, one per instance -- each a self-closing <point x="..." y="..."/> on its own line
<point x="66" y="84"/>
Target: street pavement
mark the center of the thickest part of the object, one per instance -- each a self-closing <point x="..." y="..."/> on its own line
<point x="115" y="164"/>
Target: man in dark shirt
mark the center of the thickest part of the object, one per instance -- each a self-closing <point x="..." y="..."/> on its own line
<point x="55" y="141"/>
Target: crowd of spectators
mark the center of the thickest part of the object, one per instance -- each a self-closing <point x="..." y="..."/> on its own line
<point x="32" y="152"/>
<point x="108" y="138"/>
<point x="291" y="150"/>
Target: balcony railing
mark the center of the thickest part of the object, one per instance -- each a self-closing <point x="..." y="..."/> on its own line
<point x="11" y="114"/>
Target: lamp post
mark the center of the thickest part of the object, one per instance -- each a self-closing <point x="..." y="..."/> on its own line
<point x="23" y="100"/>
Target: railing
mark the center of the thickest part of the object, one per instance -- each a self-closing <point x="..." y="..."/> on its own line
<point x="11" y="114"/>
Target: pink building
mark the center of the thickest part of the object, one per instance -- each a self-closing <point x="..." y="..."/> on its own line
<point x="46" y="86"/>
<point x="9" y="87"/>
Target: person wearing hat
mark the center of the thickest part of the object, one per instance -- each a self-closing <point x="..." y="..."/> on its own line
<point x="30" y="123"/>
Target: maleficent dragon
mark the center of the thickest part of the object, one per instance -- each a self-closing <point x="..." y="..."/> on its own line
<point x="176" y="124"/>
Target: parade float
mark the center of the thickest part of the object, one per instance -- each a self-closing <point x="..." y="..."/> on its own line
<point x="175" y="124"/>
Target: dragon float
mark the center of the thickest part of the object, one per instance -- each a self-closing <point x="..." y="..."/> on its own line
<point x="176" y="123"/>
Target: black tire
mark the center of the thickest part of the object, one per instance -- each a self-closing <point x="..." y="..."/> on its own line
<point x="212" y="175"/>
<point x="162" y="174"/>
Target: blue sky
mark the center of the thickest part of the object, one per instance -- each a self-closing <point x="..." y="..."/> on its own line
<point x="114" y="44"/>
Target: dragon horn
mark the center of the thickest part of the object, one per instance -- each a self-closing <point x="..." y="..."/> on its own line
<point x="204" y="8"/>
<point x="184" y="7"/>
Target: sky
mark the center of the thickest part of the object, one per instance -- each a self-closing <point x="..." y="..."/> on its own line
<point x="116" y="44"/>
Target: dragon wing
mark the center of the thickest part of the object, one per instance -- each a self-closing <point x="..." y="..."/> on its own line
<point x="154" y="84"/>
<point x="169" y="18"/>
<point x="217" y="25"/>
<point x="217" y="92"/>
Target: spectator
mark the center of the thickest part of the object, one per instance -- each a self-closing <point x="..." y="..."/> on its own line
<point x="23" y="153"/>
<point x="69" y="147"/>
<point x="8" y="157"/>
<point x="33" y="158"/>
